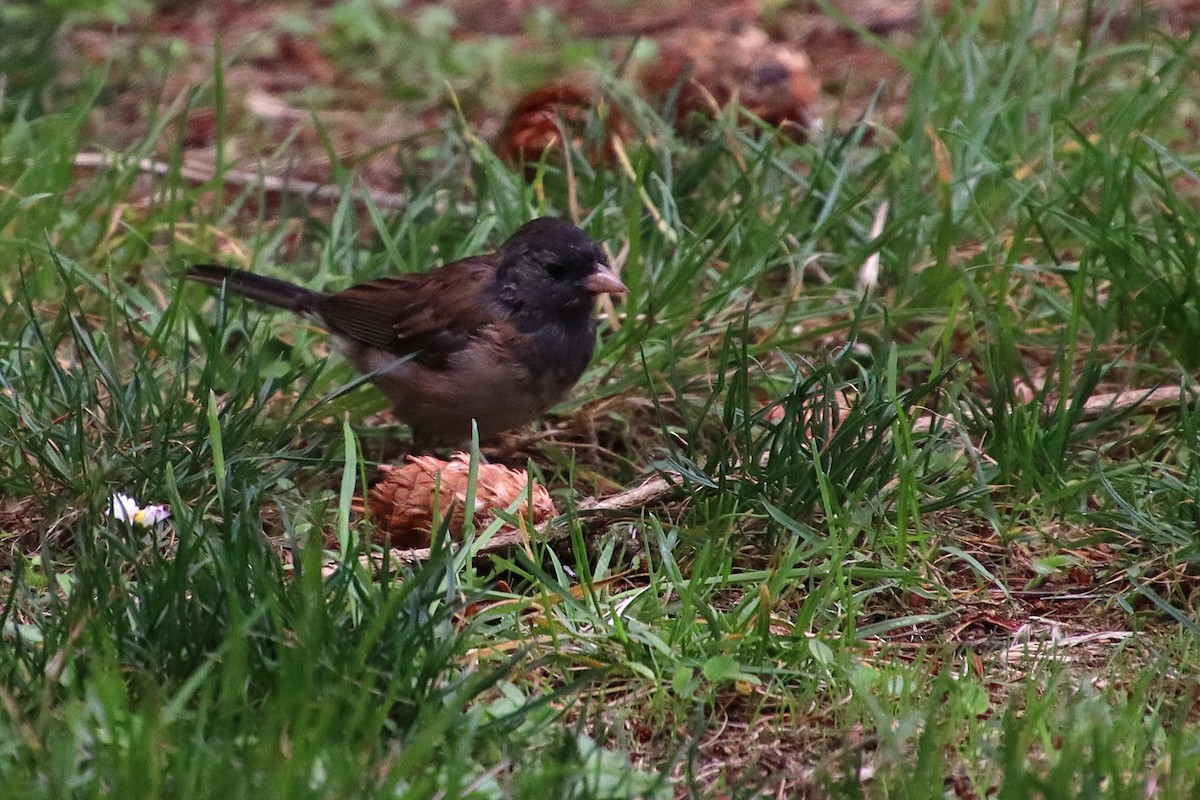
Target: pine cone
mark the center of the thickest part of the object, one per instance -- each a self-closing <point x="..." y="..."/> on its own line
<point x="542" y="117"/>
<point x="772" y="80"/>
<point x="403" y="502"/>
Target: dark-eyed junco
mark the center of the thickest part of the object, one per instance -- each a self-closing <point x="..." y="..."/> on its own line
<point x="498" y="338"/>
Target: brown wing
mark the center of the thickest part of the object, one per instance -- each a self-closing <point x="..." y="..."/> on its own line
<point x="429" y="315"/>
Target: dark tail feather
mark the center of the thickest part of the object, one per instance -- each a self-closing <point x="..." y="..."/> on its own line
<point x="264" y="290"/>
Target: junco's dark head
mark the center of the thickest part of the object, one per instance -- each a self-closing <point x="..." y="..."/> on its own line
<point x="550" y="264"/>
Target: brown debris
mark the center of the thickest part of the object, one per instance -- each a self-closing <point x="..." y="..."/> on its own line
<point x="591" y="18"/>
<point x="772" y="80"/>
<point x="828" y="416"/>
<point x="22" y="522"/>
<point x="405" y="502"/>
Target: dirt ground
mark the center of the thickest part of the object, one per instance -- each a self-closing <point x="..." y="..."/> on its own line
<point x="286" y="70"/>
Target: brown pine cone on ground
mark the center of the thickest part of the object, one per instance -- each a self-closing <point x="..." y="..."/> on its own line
<point x="403" y="503"/>
<point x="772" y="80"/>
<point x="543" y="117"/>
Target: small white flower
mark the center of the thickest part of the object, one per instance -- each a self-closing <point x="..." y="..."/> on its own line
<point x="125" y="508"/>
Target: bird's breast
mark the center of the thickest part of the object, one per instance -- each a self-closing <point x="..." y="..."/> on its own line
<point x="502" y="379"/>
<point x="563" y="349"/>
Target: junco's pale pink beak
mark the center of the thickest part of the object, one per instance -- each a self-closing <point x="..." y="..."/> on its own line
<point x="603" y="281"/>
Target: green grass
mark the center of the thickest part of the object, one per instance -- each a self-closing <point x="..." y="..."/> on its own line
<point x="895" y="524"/>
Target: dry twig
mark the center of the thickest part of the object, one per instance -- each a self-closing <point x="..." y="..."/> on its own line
<point x="272" y="184"/>
<point x="595" y="513"/>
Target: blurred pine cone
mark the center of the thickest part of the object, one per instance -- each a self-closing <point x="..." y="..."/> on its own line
<point x="542" y="119"/>
<point x="772" y="80"/>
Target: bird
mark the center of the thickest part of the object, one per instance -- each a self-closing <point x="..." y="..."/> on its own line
<point x="497" y="338"/>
